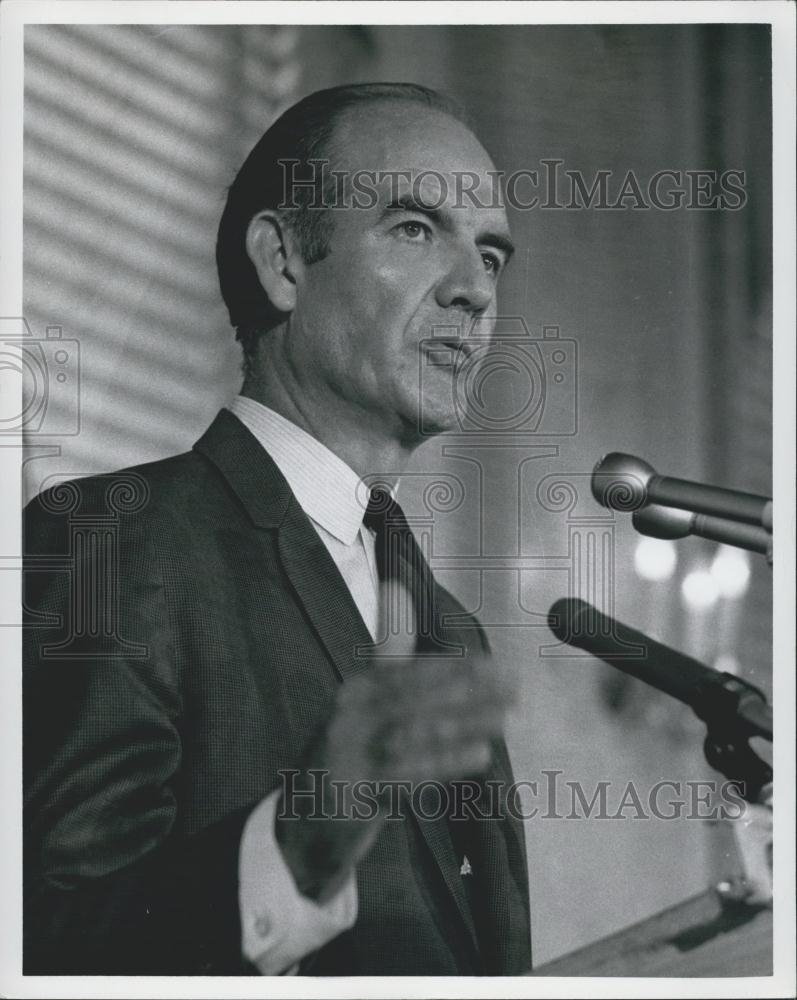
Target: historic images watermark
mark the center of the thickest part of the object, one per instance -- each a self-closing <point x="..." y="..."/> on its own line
<point x="313" y="794"/>
<point x="550" y="185"/>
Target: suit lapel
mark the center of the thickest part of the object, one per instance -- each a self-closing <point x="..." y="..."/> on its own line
<point x="438" y="840"/>
<point x="248" y="469"/>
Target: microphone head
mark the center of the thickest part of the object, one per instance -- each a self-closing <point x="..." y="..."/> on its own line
<point x="656" y="521"/>
<point x="620" y="481"/>
<point x="564" y="617"/>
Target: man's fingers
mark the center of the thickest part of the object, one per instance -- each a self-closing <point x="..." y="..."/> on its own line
<point x="442" y="729"/>
<point x="436" y="679"/>
<point x="413" y="718"/>
<point x="376" y="707"/>
<point x="440" y="764"/>
<point x="394" y="724"/>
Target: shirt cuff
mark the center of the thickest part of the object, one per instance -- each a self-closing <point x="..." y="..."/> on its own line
<point x="280" y="926"/>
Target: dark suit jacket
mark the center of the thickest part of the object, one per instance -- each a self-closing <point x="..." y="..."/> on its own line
<point x="186" y="632"/>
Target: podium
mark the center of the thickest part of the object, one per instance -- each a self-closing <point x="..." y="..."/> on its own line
<point x="707" y="935"/>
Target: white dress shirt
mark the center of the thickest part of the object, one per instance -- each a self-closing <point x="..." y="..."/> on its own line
<point x="279" y="926"/>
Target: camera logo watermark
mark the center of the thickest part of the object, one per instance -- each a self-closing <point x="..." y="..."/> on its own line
<point x="49" y="367"/>
<point x="503" y="380"/>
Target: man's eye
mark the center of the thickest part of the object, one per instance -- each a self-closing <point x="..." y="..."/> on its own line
<point x="491" y="263"/>
<point x="414" y="230"/>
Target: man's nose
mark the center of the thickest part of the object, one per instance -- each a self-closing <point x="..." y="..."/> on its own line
<point x="467" y="285"/>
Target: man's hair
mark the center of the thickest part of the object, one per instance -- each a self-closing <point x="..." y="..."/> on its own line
<point x="305" y="132"/>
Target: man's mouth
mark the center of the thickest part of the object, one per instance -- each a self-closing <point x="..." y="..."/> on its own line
<point x="464" y="346"/>
<point x="448" y="351"/>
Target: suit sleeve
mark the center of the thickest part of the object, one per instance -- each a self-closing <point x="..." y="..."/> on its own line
<point x="112" y="885"/>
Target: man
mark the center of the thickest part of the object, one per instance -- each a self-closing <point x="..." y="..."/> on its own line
<point x="172" y="820"/>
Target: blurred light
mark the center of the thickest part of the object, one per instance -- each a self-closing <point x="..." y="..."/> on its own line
<point x="700" y="590"/>
<point x="731" y="572"/>
<point x="655" y="559"/>
<point x="727" y="663"/>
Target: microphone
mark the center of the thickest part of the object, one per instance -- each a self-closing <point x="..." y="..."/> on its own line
<point x="719" y="699"/>
<point x="625" y="483"/>
<point x="669" y="522"/>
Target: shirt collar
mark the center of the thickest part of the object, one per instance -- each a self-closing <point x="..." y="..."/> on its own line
<point x="327" y="489"/>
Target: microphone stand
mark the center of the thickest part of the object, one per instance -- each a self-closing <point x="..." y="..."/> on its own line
<point x="729" y="706"/>
<point x="727" y="749"/>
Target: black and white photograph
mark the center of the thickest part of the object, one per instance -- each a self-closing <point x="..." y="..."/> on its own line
<point x="397" y="427"/>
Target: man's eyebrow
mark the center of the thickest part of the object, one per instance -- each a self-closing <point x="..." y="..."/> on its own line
<point x="409" y="203"/>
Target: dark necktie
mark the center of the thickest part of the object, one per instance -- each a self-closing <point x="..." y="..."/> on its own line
<point x="399" y="560"/>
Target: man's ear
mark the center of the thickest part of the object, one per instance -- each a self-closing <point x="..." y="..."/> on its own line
<point x="272" y="249"/>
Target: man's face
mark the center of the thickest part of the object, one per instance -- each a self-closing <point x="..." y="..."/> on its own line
<point x="398" y="272"/>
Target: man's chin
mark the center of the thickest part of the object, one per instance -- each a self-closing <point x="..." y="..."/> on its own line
<point x="437" y="419"/>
